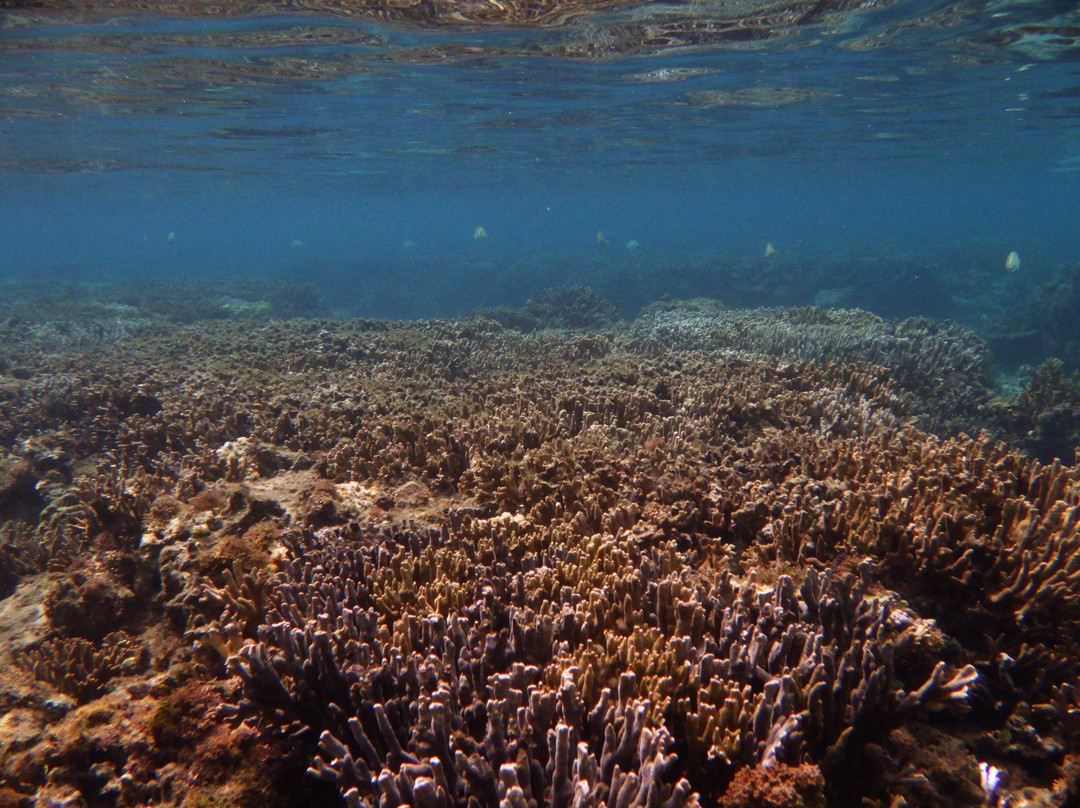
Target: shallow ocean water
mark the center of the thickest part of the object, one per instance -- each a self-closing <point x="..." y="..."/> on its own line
<point x="361" y="152"/>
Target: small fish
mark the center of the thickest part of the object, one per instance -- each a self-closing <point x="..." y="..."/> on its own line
<point x="770" y="250"/>
<point x="169" y="239"/>
<point x="1012" y="262"/>
<point x="632" y="244"/>
<point x="480" y="234"/>
<point x="409" y="245"/>
<point x="601" y="240"/>
<point x="296" y="244"/>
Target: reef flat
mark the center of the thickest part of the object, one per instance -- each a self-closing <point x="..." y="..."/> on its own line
<point x="704" y="558"/>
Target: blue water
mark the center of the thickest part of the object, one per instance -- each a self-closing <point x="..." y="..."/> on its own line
<point x="364" y="160"/>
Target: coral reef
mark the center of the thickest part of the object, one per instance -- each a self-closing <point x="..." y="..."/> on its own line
<point x="943" y="367"/>
<point x="562" y="307"/>
<point x="80" y="668"/>
<point x="1040" y="320"/>
<point x="1045" y="414"/>
<point x="459" y="677"/>
<point x="709" y="558"/>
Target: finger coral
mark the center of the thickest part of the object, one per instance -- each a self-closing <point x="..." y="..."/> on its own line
<point x="451" y="564"/>
<point x="80" y="668"/>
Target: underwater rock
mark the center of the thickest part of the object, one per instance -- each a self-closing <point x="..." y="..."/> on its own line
<point x="19" y="729"/>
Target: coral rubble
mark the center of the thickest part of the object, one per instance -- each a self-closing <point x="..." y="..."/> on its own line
<point x="711" y="558"/>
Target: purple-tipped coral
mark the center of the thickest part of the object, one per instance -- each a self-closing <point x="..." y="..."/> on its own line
<point x="565" y="683"/>
<point x="430" y="567"/>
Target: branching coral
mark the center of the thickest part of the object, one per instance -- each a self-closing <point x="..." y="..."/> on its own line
<point x="83" y="669"/>
<point x="442" y="569"/>
<point x="391" y="656"/>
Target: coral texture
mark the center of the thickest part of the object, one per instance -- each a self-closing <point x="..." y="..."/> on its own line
<point x="709" y="558"/>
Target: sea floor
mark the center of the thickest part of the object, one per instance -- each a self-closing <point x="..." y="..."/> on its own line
<point x="785" y="557"/>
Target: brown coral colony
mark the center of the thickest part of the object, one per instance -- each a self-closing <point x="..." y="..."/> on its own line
<point x="450" y="564"/>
